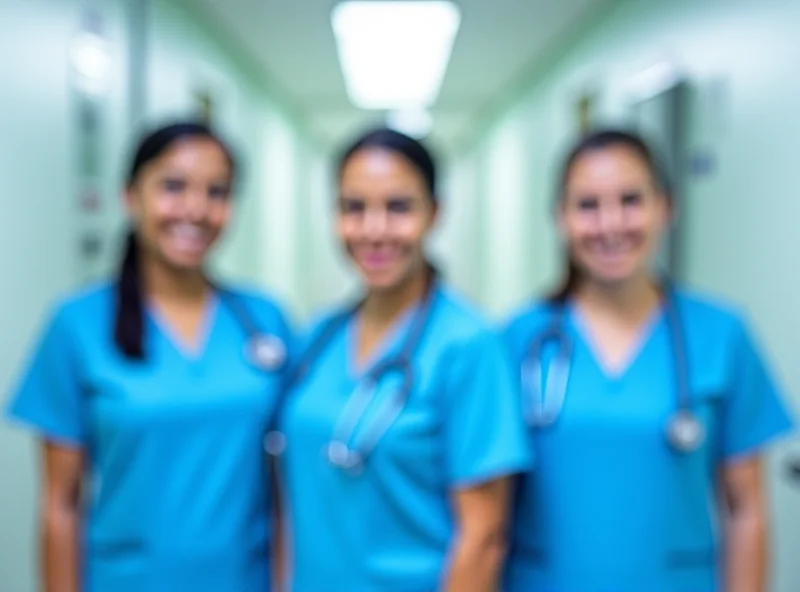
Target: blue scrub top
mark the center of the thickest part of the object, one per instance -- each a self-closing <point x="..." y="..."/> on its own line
<point x="391" y="527"/>
<point x="178" y="491"/>
<point x="611" y="507"/>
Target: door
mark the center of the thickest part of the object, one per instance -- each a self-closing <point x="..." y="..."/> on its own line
<point x="660" y="120"/>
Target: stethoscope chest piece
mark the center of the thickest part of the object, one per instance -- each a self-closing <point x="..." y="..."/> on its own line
<point x="274" y="443"/>
<point x="685" y="431"/>
<point x="340" y="455"/>
<point x="266" y="352"/>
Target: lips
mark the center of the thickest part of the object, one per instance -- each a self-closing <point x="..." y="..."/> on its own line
<point x="190" y="239"/>
<point x="376" y="260"/>
<point x="612" y="256"/>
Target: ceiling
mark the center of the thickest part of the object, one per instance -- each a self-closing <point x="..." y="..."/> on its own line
<point x="498" y="44"/>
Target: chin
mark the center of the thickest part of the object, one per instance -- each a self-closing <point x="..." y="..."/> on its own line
<point x="185" y="264"/>
<point x="614" y="278"/>
<point x="382" y="281"/>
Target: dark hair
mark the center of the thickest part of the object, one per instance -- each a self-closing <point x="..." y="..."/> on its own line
<point x="599" y="140"/>
<point x="129" y="320"/>
<point x="412" y="150"/>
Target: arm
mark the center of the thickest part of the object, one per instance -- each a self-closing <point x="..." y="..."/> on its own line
<point x="279" y="537"/>
<point x="746" y="526"/>
<point x="479" y="547"/>
<point x="60" y="518"/>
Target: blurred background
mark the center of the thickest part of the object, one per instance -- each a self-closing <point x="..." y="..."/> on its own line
<point x="497" y="87"/>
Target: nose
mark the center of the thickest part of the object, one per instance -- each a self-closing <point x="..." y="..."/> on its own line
<point x="610" y="217"/>
<point x="374" y="223"/>
<point x="195" y="203"/>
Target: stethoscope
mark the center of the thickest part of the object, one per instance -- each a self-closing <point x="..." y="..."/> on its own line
<point x="684" y="430"/>
<point x="343" y="450"/>
<point x="264" y="351"/>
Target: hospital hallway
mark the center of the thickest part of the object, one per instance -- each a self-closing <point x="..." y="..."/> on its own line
<point x="499" y="89"/>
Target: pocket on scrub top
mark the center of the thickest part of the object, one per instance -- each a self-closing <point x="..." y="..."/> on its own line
<point x="119" y="565"/>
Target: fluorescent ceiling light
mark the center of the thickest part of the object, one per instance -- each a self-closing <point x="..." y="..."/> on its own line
<point x="416" y="123"/>
<point x="90" y="61"/>
<point x="394" y="54"/>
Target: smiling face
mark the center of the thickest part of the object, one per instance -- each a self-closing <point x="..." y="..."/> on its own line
<point x="180" y="204"/>
<point x="612" y="215"/>
<point x="385" y="213"/>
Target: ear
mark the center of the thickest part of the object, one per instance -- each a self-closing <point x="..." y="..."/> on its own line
<point x="561" y="222"/>
<point x="435" y="213"/>
<point x="673" y="212"/>
<point x="132" y="203"/>
<point x="437" y="208"/>
<point x="670" y="210"/>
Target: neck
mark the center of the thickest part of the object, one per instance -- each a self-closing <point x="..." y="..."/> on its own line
<point x="169" y="285"/>
<point x="386" y="305"/>
<point x="633" y="299"/>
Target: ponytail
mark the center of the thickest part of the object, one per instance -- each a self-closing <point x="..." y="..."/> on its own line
<point x="129" y="321"/>
<point x="568" y="284"/>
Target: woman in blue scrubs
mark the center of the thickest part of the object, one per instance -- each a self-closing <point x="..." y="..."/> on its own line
<point x="384" y="493"/>
<point x="627" y="494"/>
<point x="151" y="414"/>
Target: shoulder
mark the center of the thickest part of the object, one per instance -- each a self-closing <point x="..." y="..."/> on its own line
<point x="82" y="317"/>
<point x="266" y="307"/>
<point x="709" y="315"/>
<point x="526" y="320"/>
<point x="253" y="295"/>
<point x="459" y="318"/>
<point x="459" y="325"/>
<point x="94" y="301"/>
<point x="321" y="318"/>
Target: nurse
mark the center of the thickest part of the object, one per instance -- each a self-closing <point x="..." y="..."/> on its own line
<point x="403" y="428"/>
<point x="150" y="407"/>
<point x="649" y="468"/>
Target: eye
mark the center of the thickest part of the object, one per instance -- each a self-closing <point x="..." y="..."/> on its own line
<point x="219" y="191"/>
<point x="632" y="198"/>
<point x="400" y="205"/>
<point x="174" y="185"/>
<point x="349" y="205"/>
<point x="588" y="203"/>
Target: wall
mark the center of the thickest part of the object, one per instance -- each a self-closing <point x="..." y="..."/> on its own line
<point x="39" y="256"/>
<point x="741" y="59"/>
<point x="329" y="277"/>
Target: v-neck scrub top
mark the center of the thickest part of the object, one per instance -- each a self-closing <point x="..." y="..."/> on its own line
<point x="390" y="528"/>
<point x="610" y="506"/>
<point x="178" y="494"/>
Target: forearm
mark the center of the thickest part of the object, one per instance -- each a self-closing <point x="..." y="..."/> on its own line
<point x="746" y="552"/>
<point x="60" y="555"/>
<point x="278" y="555"/>
<point x="475" y="564"/>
